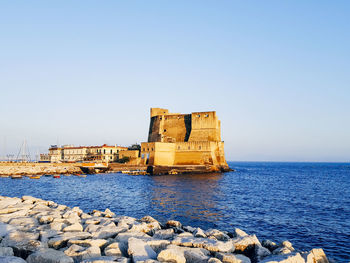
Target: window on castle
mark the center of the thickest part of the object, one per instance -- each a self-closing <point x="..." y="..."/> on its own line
<point x="152" y="149"/>
<point x="200" y="147"/>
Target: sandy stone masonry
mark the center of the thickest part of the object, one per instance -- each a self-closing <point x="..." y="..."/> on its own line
<point x="184" y="140"/>
<point x="37" y="231"/>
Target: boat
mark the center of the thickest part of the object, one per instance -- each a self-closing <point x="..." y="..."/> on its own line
<point x="81" y="175"/>
<point x="67" y="174"/>
<point x="137" y="172"/>
<point x="47" y="175"/>
<point x="35" y="177"/>
<point x="16" y="176"/>
<point x="56" y="176"/>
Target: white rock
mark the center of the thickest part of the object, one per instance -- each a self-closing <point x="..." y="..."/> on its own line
<point x="139" y="250"/>
<point x="106" y="259"/>
<point x="6" y="229"/>
<point x="239" y="233"/>
<point x="245" y="242"/>
<point x="199" y="233"/>
<point x="196" y="256"/>
<point x="6" y="251"/>
<point x="217" y="234"/>
<point x="157" y="245"/>
<point x="164" y="234"/>
<point x="209" y="244"/>
<point x="88" y="242"/>
<point x="175" y="255"/>
<point x="232" y="258"/>
<point x="174" y="223"/>
<point x="79" y="253"/>
<point x="49" y="255"/>
<point x="287" y="258"/>
<point x="11" y="259"/>
<point x="73" y="228"/>
<point x="113" y="250"/>
<point x="316" y="255"/>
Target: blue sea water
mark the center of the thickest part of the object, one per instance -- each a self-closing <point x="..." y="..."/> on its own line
<point x="305" y="203"/>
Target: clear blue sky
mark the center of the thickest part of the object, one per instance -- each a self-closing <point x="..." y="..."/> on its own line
<point x="87" y="72"/>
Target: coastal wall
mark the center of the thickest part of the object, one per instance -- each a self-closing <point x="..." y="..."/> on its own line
<point x="7" y="169"/>
<point x="33" y="230"/>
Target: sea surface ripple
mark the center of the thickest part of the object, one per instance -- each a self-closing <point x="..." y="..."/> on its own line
<point x="305" y="203"/>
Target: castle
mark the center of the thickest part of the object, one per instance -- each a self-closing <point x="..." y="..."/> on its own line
<point x="183" y="142"/>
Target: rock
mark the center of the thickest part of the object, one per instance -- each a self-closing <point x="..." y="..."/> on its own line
<point x="139" y="250"/>
<point x="6" y="229"/>
<point x="6" y="251"/>
<point x="281" y="251"/>
<point x="87" y="242"/>
<point x="199" y="233"/>
<point x="232" y="258"/>
<point x="11" y="259"/>
<point x="49" y="255"/>
<point x="148" y="219"/>
<point x="148" y="228"/>
<point x="23" y="243"/>
<point x="270" y="245"/>
<point x="174" y="255"/>
<point x="173" y="223"/>
<point x="316" y="255"/>
<point x="239" y="233"/>
<point x="217" y="234"/>
<point x="57" y="226"/>
<point x="113" y="250"/>
<point x="287" y="244"/>
<point x="209" y="244"/>
<point x="45" y="219"/>
<point x="61" y="240"/>
<point x="287" y="258"/>
<point x="164" y="234"/>
<point x="73" y="228"/>
<point x="158" y="245"/>
<point x="25" y="222"/>
<point x="79" y="253"/>
<point x="189" y="229"/>
<point x="214" y="260"/>
<point x="247" y="242"/>
<point x="105" y="259"/>
<point x="260" y="253"/>
<point x="108" y="213"/>
<point x="196" y="255"/>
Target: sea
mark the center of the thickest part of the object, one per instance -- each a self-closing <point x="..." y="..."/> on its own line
<point x="305" y="203"/>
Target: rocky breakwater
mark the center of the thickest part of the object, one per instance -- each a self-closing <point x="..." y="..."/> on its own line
<point x="35" y="230"/>
<point x="37" y="169"/>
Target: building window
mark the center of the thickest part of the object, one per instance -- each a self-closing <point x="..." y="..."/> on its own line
<point x="142" y="156"/>
<point x="111" y="158"/>
<point x="189" y="147"/>
<point x="147" y="149"/>
<point x="104" y="151"/>
<point x="200" y="147"/>
<point x="178" y="147"/>
<point x="206" y="115"/>
<point x="164" y="130"/>
<point x="198" y="115"/>
<point x="111" y="151"/>
<point x="152" y="149"/>
<point x="143" y="149"/>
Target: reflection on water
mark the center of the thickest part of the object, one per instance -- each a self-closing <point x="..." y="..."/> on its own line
<point x="174" y="196"/>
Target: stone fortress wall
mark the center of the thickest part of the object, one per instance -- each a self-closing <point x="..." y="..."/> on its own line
<point x="183" y="139"/>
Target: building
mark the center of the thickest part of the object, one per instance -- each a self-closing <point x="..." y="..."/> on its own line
<point x="71" y="153"/>
<point x="184" y="140"/>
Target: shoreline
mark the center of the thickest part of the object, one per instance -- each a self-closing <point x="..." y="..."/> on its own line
<point x="36" y="230"/>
